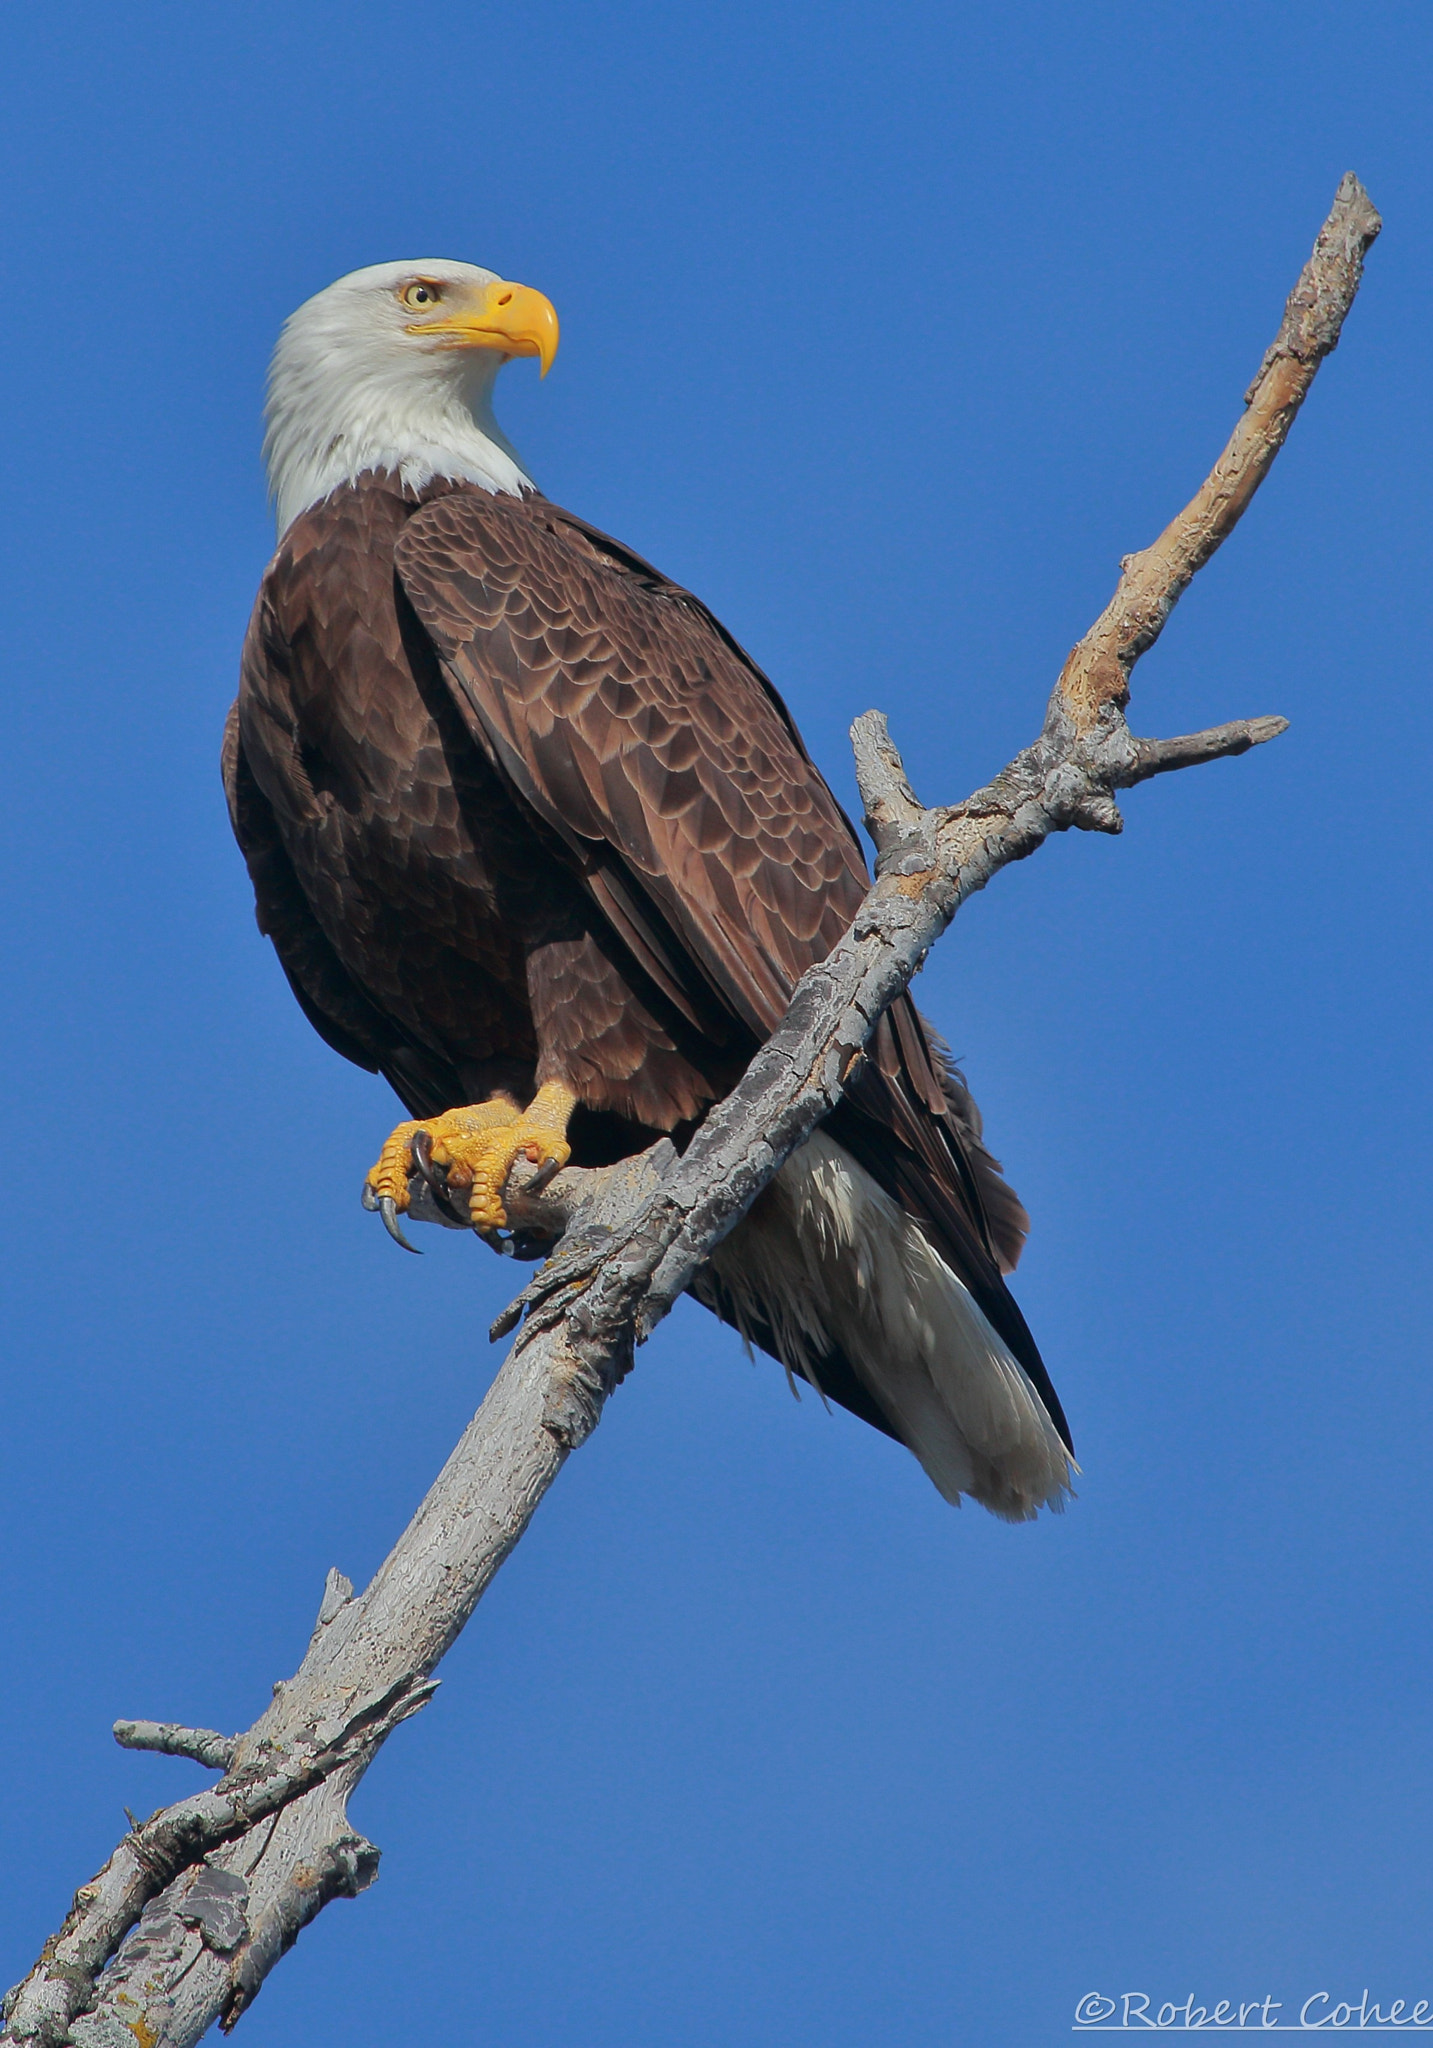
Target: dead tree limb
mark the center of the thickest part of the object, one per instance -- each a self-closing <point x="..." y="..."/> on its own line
<point x="196" y="1905"/>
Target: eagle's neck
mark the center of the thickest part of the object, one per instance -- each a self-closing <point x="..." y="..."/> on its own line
<point x="327" y="426"/>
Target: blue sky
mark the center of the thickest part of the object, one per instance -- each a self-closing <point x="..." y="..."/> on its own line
<point x="889" y="331"/>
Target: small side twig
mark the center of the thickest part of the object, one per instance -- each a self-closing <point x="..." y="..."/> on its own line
<point x="1158" y="757"/>
<point x="206" y="1745"/>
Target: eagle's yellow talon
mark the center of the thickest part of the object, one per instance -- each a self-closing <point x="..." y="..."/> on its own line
<point x="479" y="1146"/>
<point x="388" y="1180"/>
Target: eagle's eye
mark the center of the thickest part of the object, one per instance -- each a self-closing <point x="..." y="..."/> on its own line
<point x="419" y="294"/>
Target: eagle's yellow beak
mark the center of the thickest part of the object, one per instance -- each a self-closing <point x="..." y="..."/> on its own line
<point x="510" y="317"/>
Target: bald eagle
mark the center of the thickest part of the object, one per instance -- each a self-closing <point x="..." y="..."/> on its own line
<point x="536" y="840"/>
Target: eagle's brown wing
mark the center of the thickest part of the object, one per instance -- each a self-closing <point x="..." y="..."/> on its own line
<point x="638" y="730"/>
<point x="352" y="782"/>
<point x="630" y="722"/>
<point x="331" y="1000"/>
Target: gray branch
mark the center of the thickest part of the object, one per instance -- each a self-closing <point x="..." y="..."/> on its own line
<point x="196" y="1905"/>
<point x="206" y="1745"/>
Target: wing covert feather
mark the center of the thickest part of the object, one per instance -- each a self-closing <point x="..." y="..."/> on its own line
<point x="630" y="720"/>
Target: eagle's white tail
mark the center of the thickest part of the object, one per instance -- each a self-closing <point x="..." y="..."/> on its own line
<point x="826" y="1260"/>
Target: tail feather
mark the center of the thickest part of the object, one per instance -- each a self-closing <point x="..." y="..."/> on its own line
<point x="830" y="1273"/>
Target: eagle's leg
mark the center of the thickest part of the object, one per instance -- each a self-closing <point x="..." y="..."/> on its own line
<point x="478" y="1146"/>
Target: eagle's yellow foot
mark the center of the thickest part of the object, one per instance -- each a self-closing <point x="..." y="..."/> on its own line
<point x="478" y="1147"/>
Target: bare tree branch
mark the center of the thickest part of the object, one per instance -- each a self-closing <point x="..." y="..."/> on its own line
<point x="1151" y="583"/>
<point x="196" y="1905"/>
<point x="206" y="1745"/>
<point x="1157" y="757"/>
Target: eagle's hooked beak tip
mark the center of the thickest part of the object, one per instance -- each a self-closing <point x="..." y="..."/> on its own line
<point x="545" y="336"/>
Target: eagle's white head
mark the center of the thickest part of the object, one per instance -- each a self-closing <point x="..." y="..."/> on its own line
<point x="392" y="368"/>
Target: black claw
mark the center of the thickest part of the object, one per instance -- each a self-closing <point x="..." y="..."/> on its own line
<point x="539" y="1181"/>
<point x="421" y="1147"/>
<point x="388" y="1210"/>
<point x="370" y="1200"/>
<point x="448" y="1199"/>
<point x="500" y="1244"/>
